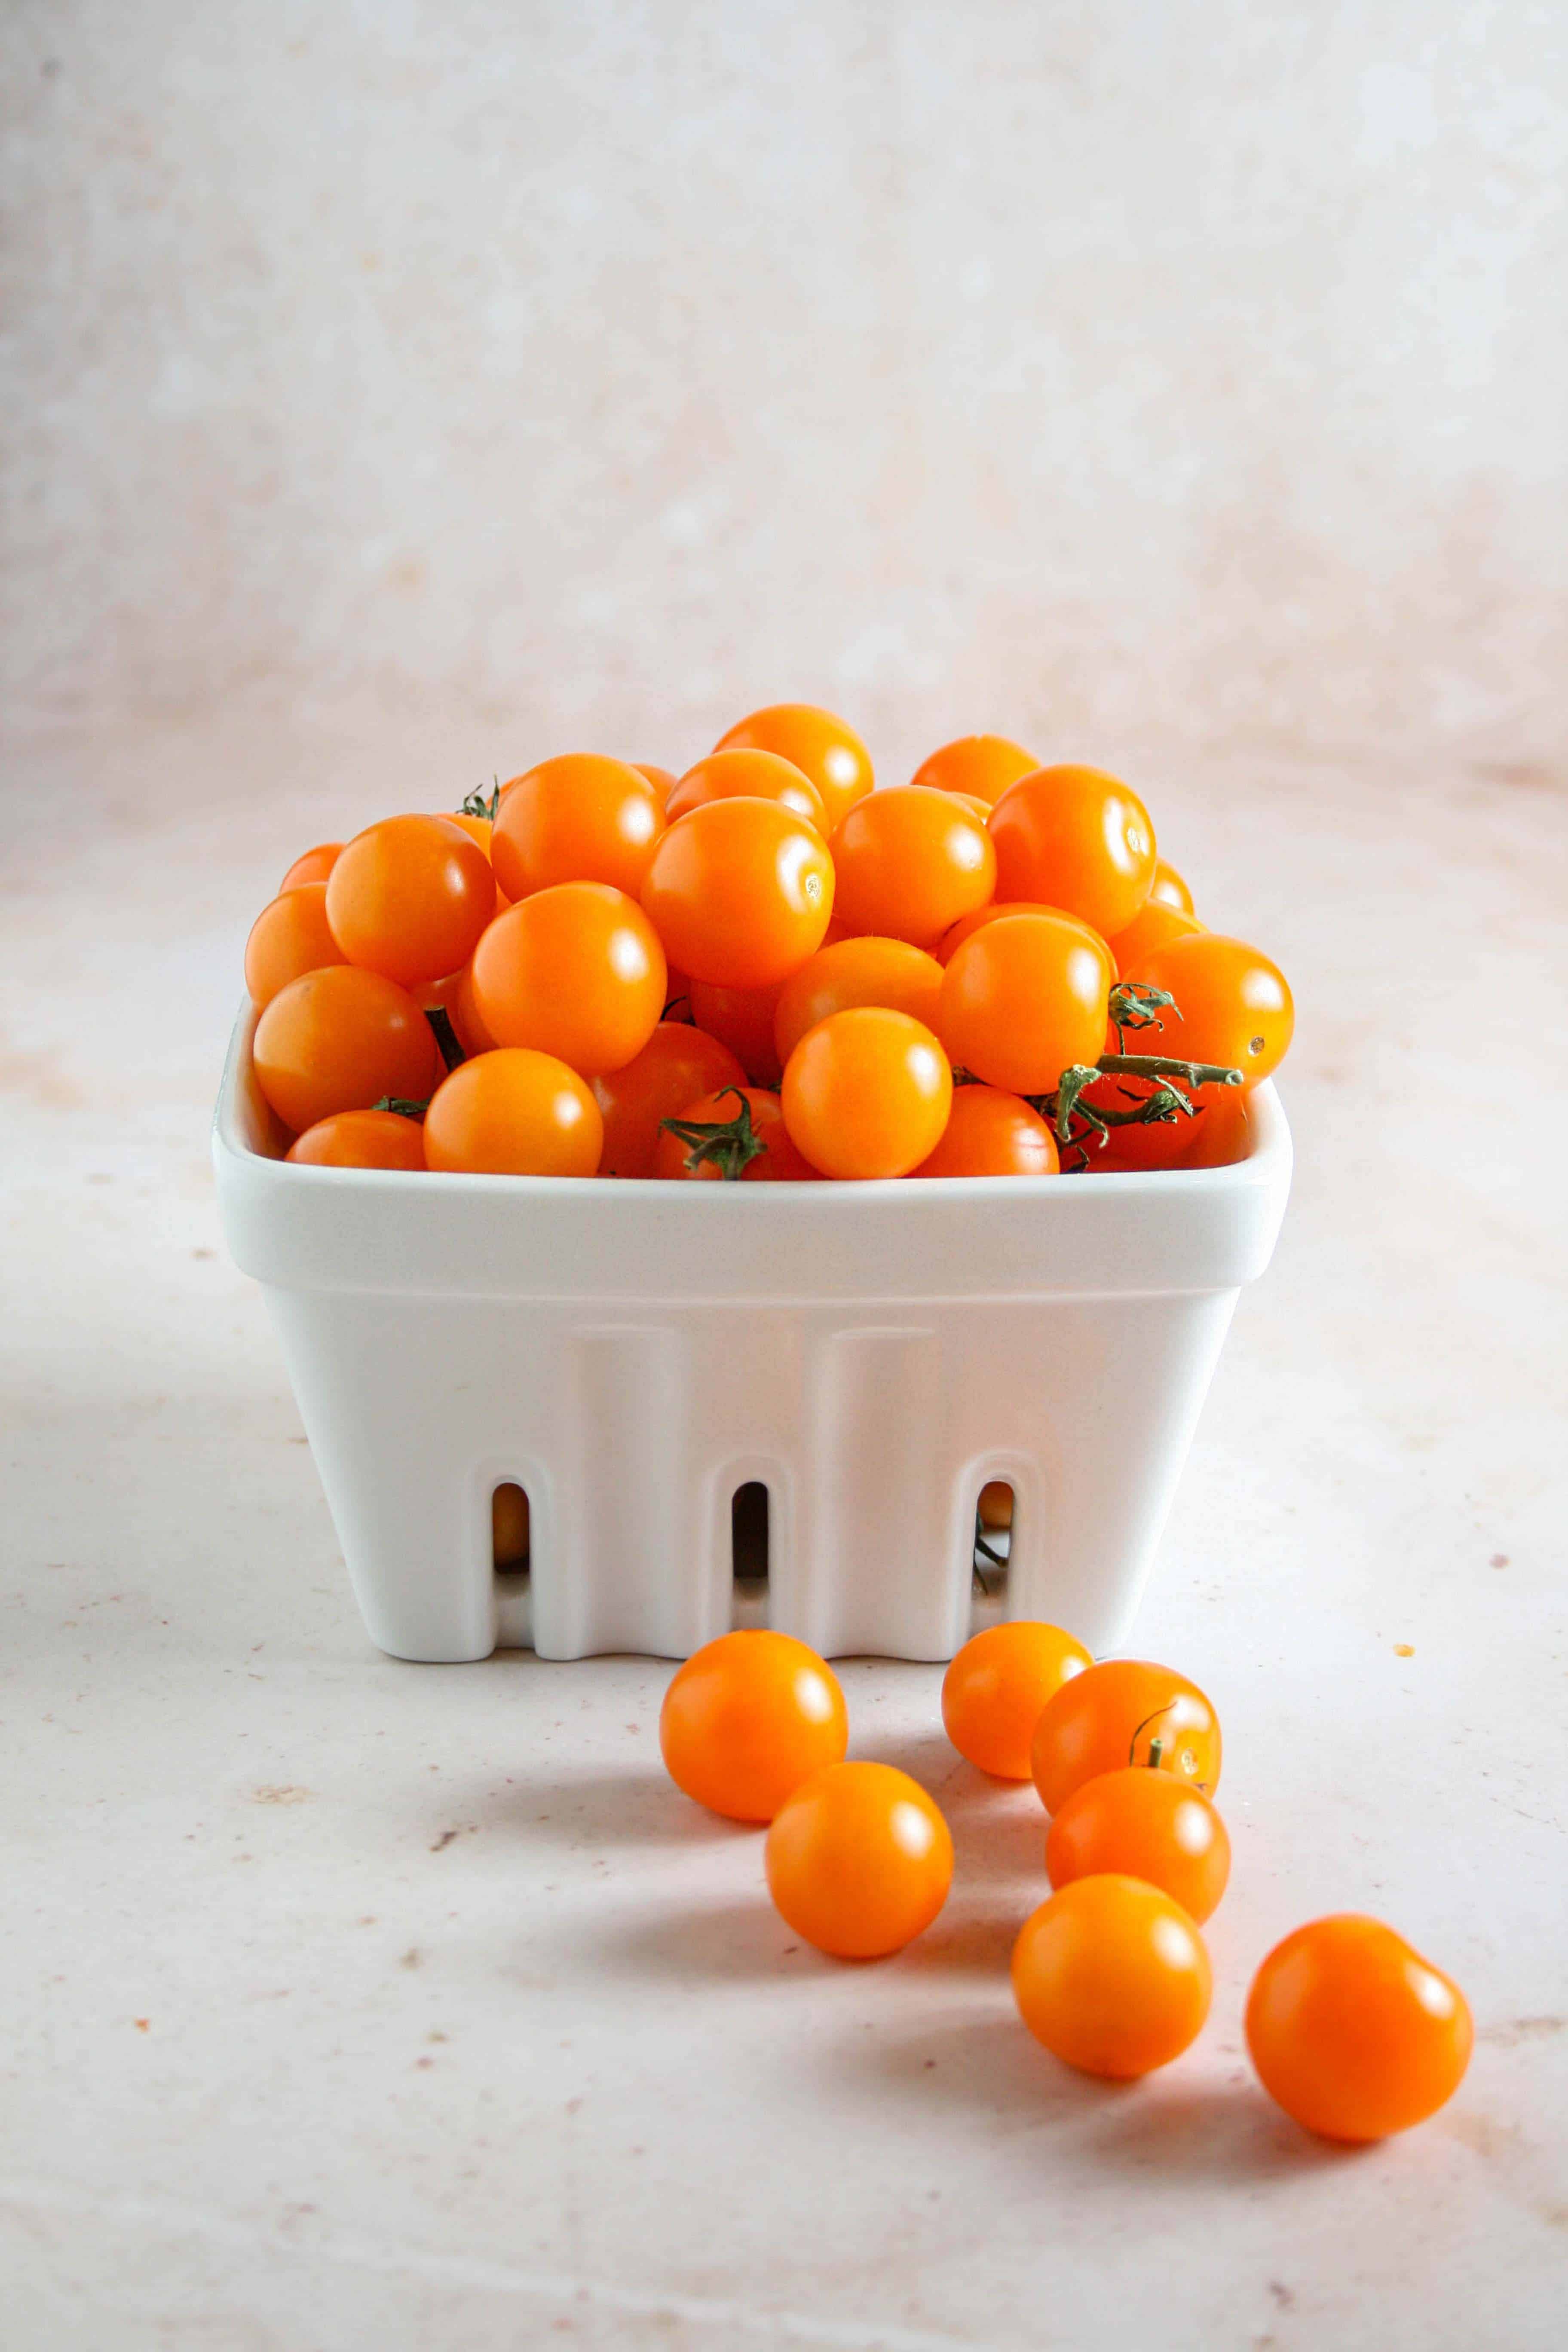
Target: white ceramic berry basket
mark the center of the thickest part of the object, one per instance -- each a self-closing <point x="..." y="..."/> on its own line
<point x="631" y="1353"/>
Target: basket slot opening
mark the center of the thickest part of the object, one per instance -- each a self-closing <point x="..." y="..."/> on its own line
<point x="511" y="1553"/>
<point x="994" y="1513"/>
<point x="749" y="1552"/>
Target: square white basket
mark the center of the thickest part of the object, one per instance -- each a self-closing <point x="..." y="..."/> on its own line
<point x="631" y="1353"/>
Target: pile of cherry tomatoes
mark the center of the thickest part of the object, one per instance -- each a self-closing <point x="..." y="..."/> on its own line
<point x="1351" y="2030"/>
<point x="763" y="970"/>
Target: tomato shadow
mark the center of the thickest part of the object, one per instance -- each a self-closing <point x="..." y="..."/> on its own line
<point x="742" y="1942"/>
<point x="617" y="1807"/>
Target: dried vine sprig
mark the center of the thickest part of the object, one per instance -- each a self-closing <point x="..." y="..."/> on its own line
<point x="729" y="1145"/>
<point x="402" y="1106"/>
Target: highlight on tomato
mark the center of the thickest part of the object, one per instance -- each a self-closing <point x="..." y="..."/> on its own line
<point x="1076" y="838"/>
<point x="859" y="1861"/>
<point x="408" y="897"/>
<point x="1112" y="1976"/>
<point x="748" y="1719"/>
<point x="824" y="747"/>
<point x="515" y="1112"/>
<point x="578" y="818"/>
<point x="576" y="970"/>
<point x="739" y="892"/>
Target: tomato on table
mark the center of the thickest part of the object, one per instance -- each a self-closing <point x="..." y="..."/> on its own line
<point x="289" y="937"/>
<point x="746" y="1141"/>
<point x="340" y="1039"/>
<point x="578" y="818"/>
<point x="515" y="1112"/>
<point x="910" y="863"/>
<point x="859" y="1861"/>
<point x="747" y="1719"/>
<point x="1076" y="839"/>
<point x="408" y="897"/>
<point x="1147" y="1825"/>
<point x="824" y="747"/>
<point x="1024" y="998"/>
<point x="743" y="1019"/>
<point x="1353" y="2032"/>
<point x="1112" y="1976"/>
<point x="867" y="1093"/>
<point x="992" y="1133"/>
<point x="748" y="775"/>
<point x="676" y="1066"/>
<point x="575" y="970"/>
<point x="1124" y="1711"/>
<point x="1233" y="1005"/>
<point x="312" y="866"/>
<point x="361" y="1139"/>
<point x="861" y="970"/>
<point x="740" y="892"/>
<point x="995" y="1689"/>
<point x="981" y="767"/>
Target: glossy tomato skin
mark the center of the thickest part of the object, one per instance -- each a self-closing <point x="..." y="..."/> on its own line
<point x="678" y="1065"/>
<point x="888" y="972"/>
<point x="1169" y="889"/>
<point x="1112" y="1976"/>
<point x="867" y="1093"/>
<point x="990" y="1133"/>
<point x="747" y="1719"/>
<point x="663" y="780"/>
<point x="778" y="1163"/>
<point x="980" y="766"/>
<point x="1153" y="925"/>
<point x="312" y="866"/>
<point x="575" y="970"/>
<point x="1022" y="999"/>
<point x="910" y="863"/>
<point x="824" y="747"/>
<point x="1222" y="1129"/>
<point x="289" y="937"/>
<point x="993" y="1692"/>
<point x="578" y="818"/>
<point x="1233" y="1005"/>
<point x="1353" y="2032"/>
<point x="515" y="1112"/>
<point x="740" y="892"/>
<point x="743" y="1019"/>
<point x="1124" y="1711"/>
<point x="859" y="1861"/>
<point x="748" y="775"/>
<point x="409" y="897"/>
<point x="340" y="1039"/>
<point x="361" y="1139"/>
<point x="951" y="940"/>
<point x="1147" y="1825"/>
<point x="1076" y="839"/>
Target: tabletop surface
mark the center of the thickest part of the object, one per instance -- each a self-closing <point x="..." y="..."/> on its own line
<point x="354" y="2002"/>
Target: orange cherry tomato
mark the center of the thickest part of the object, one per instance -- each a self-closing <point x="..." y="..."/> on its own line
<point x="1222" y="1129"/>
<point x="289" y="936"/>
<point x="339" y="1039"/>
<point x="314" y="866"/>
<point x="994" y="1691"/>
<point x="947" y="947"/>
<point x="1124" y="1711"/>
<point x="1232" y="1006"/>
<point x="859" y="1861"/>
<point x="1076" y="839"/>
<point x="778" y="1161"/>
<point x="855" y="972"/>
<point x="1112" y="1976"/>
<point x="867" y="1093"/>
<point x="747" y="1719"/>
<point x="1024" y="999"/>
<point x="825" y="749"/>
<point x="579" y="818"/>
<point x="361" y="1139"/>
<point x="575" y="970"/>
<point x="480" y="829"/>
<point x="978" y="766"/>
<point x="464" y="1014"/>
<point x="989" y="1133"/>
<point x="750" y="776"/>
<point x="409" y="897"/>
<point x="1353" y="2032"/>
<point x="677" y="1065"/>
<point x="996" y="1511"/>
<point x="662" y="779"/>
<point x="740" y="891"/>
<point x="1147" y="1825"/>
<point x="513" y="1113"/>
<point x="1168" y="890"/>
<point x="909" y="862"/>
<point x="1154" y="924"/>
<point x="743" y="1019"/>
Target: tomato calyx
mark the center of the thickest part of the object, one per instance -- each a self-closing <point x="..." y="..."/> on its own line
<point x="1157" y="1747"/>
<point x="729" y="1145"/>
<point x="1169" y="1101"/>
<point x="446" y="1035"/>
<point x="402" y="1106"/>
<point x="1134" y="1005"/>
<point x="480" y="804"/>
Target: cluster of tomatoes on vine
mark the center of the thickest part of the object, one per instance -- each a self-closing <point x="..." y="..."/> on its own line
<point x="1351" y="2030"/>
<point x="763" y="970"/>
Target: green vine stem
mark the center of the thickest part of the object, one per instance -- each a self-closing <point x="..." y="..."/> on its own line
<point x="481" y="803"/>
<point x="729" y="1145"/>
<point x="446" y="1035"/>
<point x="402" y="1106"/>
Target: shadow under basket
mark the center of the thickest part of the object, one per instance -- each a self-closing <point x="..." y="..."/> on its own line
<point x="634" y="1355"/>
